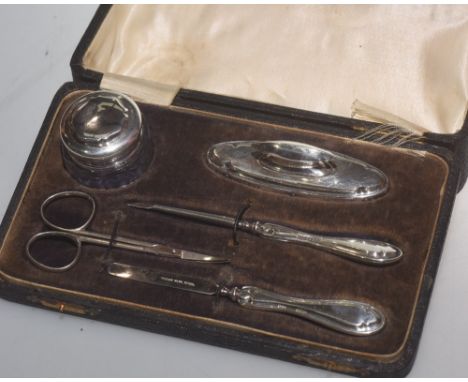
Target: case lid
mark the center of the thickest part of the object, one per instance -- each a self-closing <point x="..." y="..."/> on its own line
<point x="405" y="65"/>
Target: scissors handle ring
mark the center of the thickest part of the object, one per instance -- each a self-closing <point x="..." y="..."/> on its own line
<point x="47" y="234"/>
<point x="67" y="194"/>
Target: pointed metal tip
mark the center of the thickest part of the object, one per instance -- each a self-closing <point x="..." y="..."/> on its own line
<point x="216" y="259"/>
<point x="195" y="256"/>
<point x="119" y="270"/>
<point x="142" y="206"/>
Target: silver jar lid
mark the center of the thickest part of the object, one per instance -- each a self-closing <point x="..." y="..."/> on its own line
<point x="101" y="131"/>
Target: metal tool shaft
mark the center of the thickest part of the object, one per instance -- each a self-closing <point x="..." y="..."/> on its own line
<point x="205" y="217"/>
<point x="366" y="251"/>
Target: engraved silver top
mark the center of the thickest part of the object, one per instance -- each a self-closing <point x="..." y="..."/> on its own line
<point x="297" y="168"/>
<point x="102" y="130"/>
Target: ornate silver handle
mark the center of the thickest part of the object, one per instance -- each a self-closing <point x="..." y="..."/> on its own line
<point x="360" y="250"/>
<point x="350" y="317"/>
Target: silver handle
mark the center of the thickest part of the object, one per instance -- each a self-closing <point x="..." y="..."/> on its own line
<point x="360" y="250"/>
<point x="349" y="317"/>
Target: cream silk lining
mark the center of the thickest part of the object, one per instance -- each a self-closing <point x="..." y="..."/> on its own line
<point x="410" y="61"/>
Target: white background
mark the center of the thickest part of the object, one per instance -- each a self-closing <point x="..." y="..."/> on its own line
<point x="36" y="44"/>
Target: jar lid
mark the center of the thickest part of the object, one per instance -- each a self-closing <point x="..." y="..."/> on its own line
<point x="101" y="130"/>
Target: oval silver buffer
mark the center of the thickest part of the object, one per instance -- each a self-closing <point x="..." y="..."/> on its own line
<point x="298" y="169"/>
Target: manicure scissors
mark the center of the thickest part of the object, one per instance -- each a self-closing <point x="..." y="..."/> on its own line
<point x="79" y="234"/>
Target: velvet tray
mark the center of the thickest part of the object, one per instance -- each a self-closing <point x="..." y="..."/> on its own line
<point x="424" y="177"/>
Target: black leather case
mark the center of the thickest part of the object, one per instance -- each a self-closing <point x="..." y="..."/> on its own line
<point x="415" y="213"/>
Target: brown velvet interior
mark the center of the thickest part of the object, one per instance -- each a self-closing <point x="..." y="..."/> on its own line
<point x="406" y="216"/>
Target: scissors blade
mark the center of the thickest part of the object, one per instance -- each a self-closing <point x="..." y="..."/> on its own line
<point x="149" y="248"/>
<point x="184" y="254"/>
<point x="170" y="280"/>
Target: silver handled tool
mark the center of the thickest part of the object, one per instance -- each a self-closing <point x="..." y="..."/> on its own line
<point x="360" y="250"/>
<point x="77" y="235"/>
<point x="344" y="316"/>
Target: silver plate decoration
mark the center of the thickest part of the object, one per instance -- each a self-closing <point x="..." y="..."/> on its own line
<point x="101" y="130"/>
<point x="297" y="168"/>
<point x="104" y="141"/>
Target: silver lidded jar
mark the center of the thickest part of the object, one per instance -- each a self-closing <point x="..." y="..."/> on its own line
<point x="104" y="141"/>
